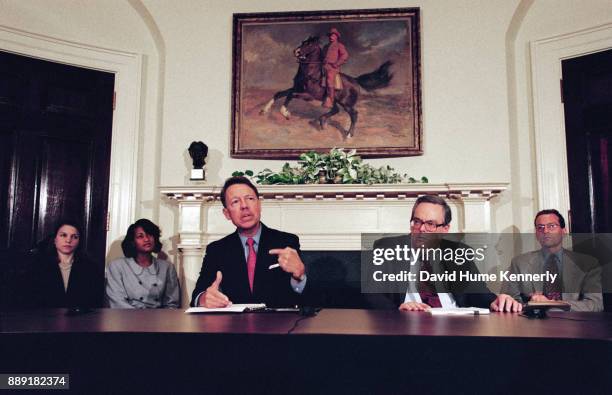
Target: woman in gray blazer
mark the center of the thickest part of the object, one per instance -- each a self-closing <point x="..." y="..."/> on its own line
<point x="140" y="280"/>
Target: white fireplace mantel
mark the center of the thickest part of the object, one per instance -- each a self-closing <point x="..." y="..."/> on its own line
<point x="325" y="217"/>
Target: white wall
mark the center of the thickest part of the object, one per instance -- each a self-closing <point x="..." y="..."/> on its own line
<point x="464" y="89"/>
<point x="476" y="107"/>
<point x="110" y="24"/>
<point x="464" y="98"/>
<point x="545" y="19"/>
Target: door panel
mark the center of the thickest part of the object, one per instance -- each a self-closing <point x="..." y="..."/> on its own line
<point x="55" y="132"/>
<point x="64" y="178"/>
<point x="7" y="142"/>
<point x="587" y="93"/>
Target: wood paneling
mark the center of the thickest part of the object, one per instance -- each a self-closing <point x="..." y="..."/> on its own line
<point x="55" y="133"/>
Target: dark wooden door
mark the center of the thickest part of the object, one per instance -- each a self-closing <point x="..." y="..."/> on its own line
<point x="587" y="93"/>
<point x="587" y="97"/>
<point x="55" y="135"/>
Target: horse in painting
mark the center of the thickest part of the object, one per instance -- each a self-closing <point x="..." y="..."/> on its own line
<point x="307" y="85"/>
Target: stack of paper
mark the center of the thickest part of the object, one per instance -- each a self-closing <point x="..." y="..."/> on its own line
<point x="235" y="308"/>
<point x="459" y="311"/>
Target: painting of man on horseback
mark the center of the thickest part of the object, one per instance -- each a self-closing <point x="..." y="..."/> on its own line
<point x="369" y="101"/>
<point x="319" y="78"/>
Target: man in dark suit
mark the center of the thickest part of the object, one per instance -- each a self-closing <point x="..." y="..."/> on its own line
<point x="255" y="264"/>
<point x="577" y="276"/>
<point x="431" y="215"/>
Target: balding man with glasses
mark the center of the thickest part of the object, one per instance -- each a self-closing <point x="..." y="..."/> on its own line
<point x="431" y="216"/>
<point x="577" y="277"/>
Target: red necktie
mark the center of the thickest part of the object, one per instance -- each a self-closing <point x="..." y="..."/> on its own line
<point x="252" y="258"/>
<point x="427" y="289"/>
<point x="552" y="290"/>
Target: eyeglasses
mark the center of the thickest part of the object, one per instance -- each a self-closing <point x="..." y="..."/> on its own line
<point x="540" y="228"/>
<point x="430" y="226"/>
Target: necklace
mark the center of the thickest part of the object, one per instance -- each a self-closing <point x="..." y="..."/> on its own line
<point x="67" y="265"/>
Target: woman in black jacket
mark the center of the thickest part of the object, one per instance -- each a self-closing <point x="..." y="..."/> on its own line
<point x="63" y="276"/>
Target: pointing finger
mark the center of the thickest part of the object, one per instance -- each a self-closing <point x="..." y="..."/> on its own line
<point x="276" y="251"/>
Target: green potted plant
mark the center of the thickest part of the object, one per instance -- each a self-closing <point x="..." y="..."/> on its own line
<point x="338" y="166"/>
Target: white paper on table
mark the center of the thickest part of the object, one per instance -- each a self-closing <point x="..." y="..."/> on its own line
<point x="235" y="308"/>
<point x="459" y="311"/>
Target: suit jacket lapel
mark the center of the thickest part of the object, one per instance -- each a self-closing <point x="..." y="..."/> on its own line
<point x="439" y="267"/>
<point x="58" y="282"/>
<point x="263" y="258"/>
<point x="535" y="265"/>
<point x="572" y="275"/>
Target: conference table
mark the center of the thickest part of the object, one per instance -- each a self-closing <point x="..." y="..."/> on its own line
<point x="336" y="351"/>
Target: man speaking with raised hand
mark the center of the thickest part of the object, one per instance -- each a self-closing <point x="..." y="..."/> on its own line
<point x="255" y="264"/>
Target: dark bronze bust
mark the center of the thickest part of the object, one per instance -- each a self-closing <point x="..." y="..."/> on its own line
<point x="198" y="151"/>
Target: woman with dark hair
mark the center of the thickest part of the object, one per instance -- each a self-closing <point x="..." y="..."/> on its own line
<point x="63" y="276"/>
<point x="140" y="280"/>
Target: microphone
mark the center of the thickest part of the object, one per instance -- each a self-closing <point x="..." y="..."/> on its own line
<point x="309" y="311"/>
<point x="76" y="310"/>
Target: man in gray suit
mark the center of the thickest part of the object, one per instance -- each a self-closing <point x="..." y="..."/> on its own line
<point x="577" y="277"/>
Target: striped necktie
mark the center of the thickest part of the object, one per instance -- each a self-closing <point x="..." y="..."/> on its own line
<point x="552" y="289"/>
<point x="427" y="289"/>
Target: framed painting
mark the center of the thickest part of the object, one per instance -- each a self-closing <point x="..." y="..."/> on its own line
<point x="316" y="80"/>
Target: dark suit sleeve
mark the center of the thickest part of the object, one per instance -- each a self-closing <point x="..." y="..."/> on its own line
<point x="30" y="283"/>
<point x="312" y="294"/>
<point x="208" y="272"/>
<point x="472" y="293"/>
<point x="293" y="241"/>
<point x="93" y="291"/>
<point x="387" y="300"/>
<point x="281" y="292"/>
<point x="590" y="297"/>
<point x="512" y="288"/>
<point x="466" y="293"/>
<point x="482" y="300"/>
<point x="306" y="296"/>
<point x="44" y="283"/>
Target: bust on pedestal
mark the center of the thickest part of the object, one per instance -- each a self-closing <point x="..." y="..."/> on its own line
<point x="198" y="151"/>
